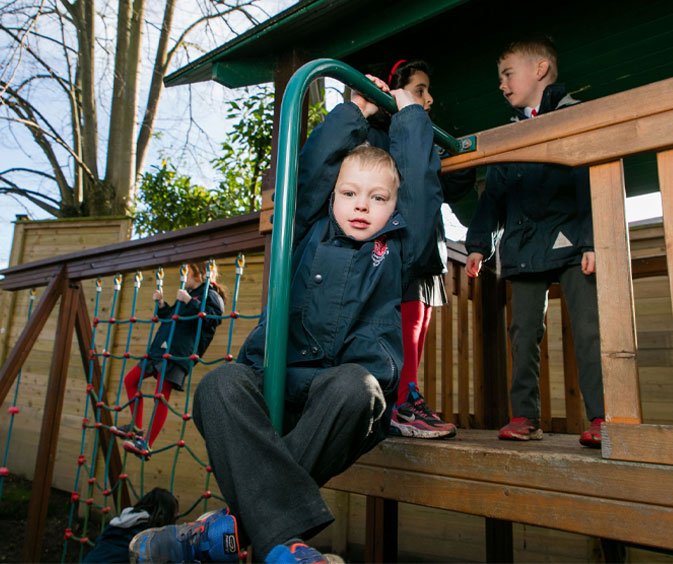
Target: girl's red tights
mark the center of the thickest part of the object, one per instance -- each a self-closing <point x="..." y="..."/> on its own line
<point x="415" y="320"/>
<point x="131" y="382"/>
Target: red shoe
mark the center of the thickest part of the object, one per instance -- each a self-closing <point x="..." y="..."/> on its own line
<point x="592" y="436"/>
<point x="521" y="429"/>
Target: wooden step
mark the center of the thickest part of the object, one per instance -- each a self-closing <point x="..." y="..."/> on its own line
<point x="553" y="483"/>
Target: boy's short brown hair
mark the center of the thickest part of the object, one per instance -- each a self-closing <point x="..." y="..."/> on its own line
<point x="373" y="157"/>
<point x="537" y="45"/>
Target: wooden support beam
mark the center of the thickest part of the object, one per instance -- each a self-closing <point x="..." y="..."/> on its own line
<point x="463" y="351"/>
<point x="51" y="422"/>
<point x="665" y="170"/>
<point x="381" y="530"/>
<point x="85" y="340"/>
<point x="615" y="295"/>
<point x="447" y="346"/>
<point x="638" y="443"/>
<point x="494" y="352"/>
<point x="573" y="399"/>
<point x="29" y="335"/>
<point x="499" y="541"/>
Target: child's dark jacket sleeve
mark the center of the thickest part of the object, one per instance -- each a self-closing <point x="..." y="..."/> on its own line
<point x="420" y="195"/>
<point x="488" y="219"/>
<point x="344" y="129"/>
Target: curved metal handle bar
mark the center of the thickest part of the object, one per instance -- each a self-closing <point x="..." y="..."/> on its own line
<point x="284" y="208"/>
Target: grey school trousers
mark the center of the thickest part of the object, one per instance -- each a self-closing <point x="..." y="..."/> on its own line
<point x="529" y="305"/>
<point x="271" y="483"/>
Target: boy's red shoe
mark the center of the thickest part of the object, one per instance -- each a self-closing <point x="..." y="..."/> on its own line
<point x="592" y="436"/>
<point x="521" y="429"/>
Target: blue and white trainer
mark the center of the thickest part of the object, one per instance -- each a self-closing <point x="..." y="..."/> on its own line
<point x="213" y="537"/>
<point x="294" y="551"/>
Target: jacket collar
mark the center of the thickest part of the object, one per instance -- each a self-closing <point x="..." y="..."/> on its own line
<point x="554" y="97"/>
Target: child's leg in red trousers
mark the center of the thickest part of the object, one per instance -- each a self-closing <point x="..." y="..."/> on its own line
<point x="131" y="383"/>
<point x="415" y="320"/>
<point x="161" y="411"/>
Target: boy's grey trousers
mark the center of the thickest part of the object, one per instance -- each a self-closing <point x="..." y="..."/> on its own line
<point x="529" y="305"/>
<point x="271" y="483"/>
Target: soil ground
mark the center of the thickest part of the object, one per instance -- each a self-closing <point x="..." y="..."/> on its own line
<point x="16" y="492"/>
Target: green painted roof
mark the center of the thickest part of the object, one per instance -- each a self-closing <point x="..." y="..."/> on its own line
<point x="605" y="46"/>
<point x="317" y="28"/>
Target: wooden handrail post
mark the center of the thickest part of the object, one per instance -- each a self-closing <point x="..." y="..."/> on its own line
<point x="665" y="170"/>
<point x="615" y="295"/>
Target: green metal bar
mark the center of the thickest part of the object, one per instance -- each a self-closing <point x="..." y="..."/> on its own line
<point x="284" y="208"/>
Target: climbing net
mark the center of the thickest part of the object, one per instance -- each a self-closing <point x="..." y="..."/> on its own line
<point x="117" y="410"/>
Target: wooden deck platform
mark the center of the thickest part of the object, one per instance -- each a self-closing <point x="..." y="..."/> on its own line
<point x="553" y="483"/>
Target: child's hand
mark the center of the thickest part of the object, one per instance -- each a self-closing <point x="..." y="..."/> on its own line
<point x="183" y="296"/>
<point x="473" y="264"/>
<point x="589" y="262"/>
<point x="366" y="107"/>
<point x="403" y="98"/>
<point x="159" y="297"/>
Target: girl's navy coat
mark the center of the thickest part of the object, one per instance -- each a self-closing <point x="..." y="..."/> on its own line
<point x="184" y="335"/>
<point x="345" y="295"/>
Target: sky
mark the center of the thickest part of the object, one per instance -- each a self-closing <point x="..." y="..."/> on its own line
<point x="207" y="96"/>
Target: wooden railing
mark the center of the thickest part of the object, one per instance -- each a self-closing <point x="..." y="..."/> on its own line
<point x="62" y="276"/>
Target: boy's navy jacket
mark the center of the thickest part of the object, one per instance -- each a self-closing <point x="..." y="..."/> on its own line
<point x="345" y="294"/>
<point x="185" y="330"/>
<point x="112" y="545"/>
<point x="542" y="210"/>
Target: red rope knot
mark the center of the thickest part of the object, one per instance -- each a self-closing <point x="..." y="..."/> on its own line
<point x="158" y="396"/>
<point x="89" y="388"/>
<point x="194" y="357"/>
<point x="98" y="425"/>
<point x="181" y="443"/>
<point x="228" y="357"/>
<point x="118" y="407"/>
<point x="106" y="354"/>
<point x="111" y="320"/>
<point x="123" y="476"/>
<point x="206" y="494"/>
<point x="4" y="471"/>
<point x="105" y="510"/>
<point x="92" y="354"/>
<point x="138" y="394"/>
<point x="68" y="534"/>
<point x="74" y="496"/>
<point x="95" y="321"/>
<point x="202" y="314"/>
<point x="175" y="317"/>
<point x="100" y="404"/>
<point x="89" y="501"/>
<point x="209" y="468"/>
<point x="91" y="481"/>
<point x="107" y="492"/>
<point x="127" y="355"/>
<point x="13" y="410"/>
<point x="155" y="319"/>
<point x="133" y="319"/>
<point x="84" y="540"/>
<point x="85" y="422"/>
<point x="81" y="459"/>
<point x="186" y="416"/>
<point x="234" y="315"/>
<point x="166" y="356"/>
